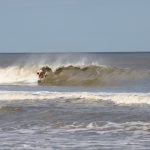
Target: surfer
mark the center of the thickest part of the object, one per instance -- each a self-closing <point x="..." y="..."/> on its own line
<point x="43" y="72"/>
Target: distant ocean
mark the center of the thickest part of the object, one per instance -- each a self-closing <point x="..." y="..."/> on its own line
<point x="101" y="102"/>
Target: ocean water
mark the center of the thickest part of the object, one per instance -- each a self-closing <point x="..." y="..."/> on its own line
<point x="109" y="110"/>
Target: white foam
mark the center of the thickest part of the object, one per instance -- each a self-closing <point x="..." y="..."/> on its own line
<point x="16" y="74"/>
<point x="106" y="127"/>
<point x="87" y="97"/>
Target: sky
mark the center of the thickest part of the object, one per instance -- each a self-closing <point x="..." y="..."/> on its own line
<point x="74" y="25"/>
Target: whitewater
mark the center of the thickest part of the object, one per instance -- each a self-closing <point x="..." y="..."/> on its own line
<point x="86" y="101"/>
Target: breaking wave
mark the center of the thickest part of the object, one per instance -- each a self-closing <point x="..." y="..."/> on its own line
<point x="91" y="75"/>
<point x="72" y="75"/>
<point x="18" y="75"/>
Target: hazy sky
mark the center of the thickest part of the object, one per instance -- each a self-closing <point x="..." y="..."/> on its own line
<point x="74" y="25"/>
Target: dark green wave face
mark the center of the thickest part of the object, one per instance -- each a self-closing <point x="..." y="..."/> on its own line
<point x="91" y="75"/>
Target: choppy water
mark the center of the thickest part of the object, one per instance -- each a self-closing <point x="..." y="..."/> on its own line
<point x="115" y="116"/>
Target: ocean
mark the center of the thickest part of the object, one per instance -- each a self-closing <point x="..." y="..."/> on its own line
<point x="92" y="101"/>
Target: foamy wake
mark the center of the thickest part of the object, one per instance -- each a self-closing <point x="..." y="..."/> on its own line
<point x="75" y="97"/>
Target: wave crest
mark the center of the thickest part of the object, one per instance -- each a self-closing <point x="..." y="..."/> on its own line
<point x="71" y="75"/>
<point x="90" y="75"/>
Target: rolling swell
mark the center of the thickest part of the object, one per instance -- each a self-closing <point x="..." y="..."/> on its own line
<point x="91" y="75"/>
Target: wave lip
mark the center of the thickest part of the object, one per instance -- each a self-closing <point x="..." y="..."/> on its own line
<point x="87" y="97"/>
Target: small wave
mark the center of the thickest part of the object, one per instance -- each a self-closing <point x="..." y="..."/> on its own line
<point x="10" y="109"/>
<point x="104" y="127"/>
<point x="74" y="97"/>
